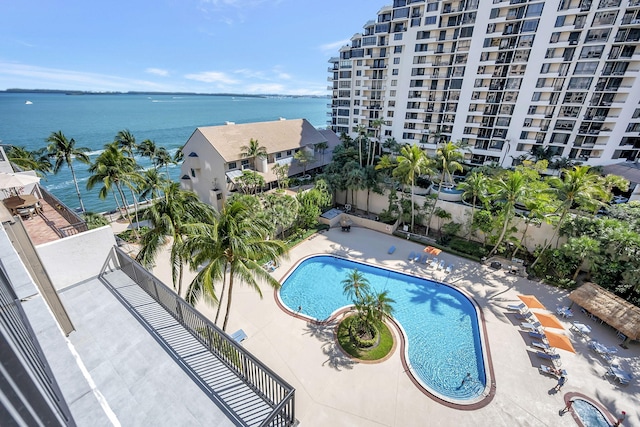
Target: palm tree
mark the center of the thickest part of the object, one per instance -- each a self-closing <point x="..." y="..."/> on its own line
<point x="152" y="184"/>
<point x="168" y="217"/>
<point x="232" y="245"/>
<point x="375" y="125"/>
<point x="475" y="187"/>
<point x="126" y="141"/>
<point x="362" y="131"/>
<point x="163" y="158"/>
<point x="114" y="170"/>
<point x="412" y="162"/>
<point x="579" y="185"/>
<point x="510" y="189"/>
<point x="24" y="159"/>
<point x="148" y="148"/>
<point x="253" y="150"/>
<point x="64" y="151"/>
<point x="282" y="209"/>
<point x="355" y="285"/>
<point x="304" y="157"/>
<point x="282" y="174"/>
<point x="322" y="146"/>
<point x="382" y="307"/>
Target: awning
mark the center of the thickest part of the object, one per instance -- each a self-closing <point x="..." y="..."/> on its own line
<point x="610" y="308"/>
<point x="234" y="174"/>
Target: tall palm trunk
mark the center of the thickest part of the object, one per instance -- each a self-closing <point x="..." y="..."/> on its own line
<point x="229" y="295"/>
<point x="124" y="203"/>
<point x="224" y="285"/>
<point x="473" y="214"/>
<point x="412" y="206"/>
<point x="507" y="220"/>
<point x="75" y="182"/>
<point x="555" y="231"/>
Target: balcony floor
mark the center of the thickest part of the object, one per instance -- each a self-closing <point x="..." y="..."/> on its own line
<point x="41" y="227"/>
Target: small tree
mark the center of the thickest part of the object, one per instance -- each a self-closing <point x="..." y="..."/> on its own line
<point x="304" y="157"/>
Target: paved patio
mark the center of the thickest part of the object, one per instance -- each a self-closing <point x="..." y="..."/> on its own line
<point x="332" y="389"/>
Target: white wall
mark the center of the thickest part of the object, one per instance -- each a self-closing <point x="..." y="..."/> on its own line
<point x="536" y="236"/>
<point x="78" y="257"/>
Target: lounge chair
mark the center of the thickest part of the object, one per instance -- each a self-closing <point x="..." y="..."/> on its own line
<point x="411" y="256"/>
<point x="517" y="307"/>
<point x="239" y="336"/>
<point x="553" y="357"/>
<point x="539" y="344"/>
<point x="417" y="257"/>
<point x="423" y="259"/>
<point x="391" y="250"/>
<point x="548" y="370"/>
<point x="537" y="335"/>
<point x="535" y="326"/>
<point x="449" y="268"/>
<point x="526" y="316"/>
<point x="434" y="263"/>
<point x="441" y="265"/>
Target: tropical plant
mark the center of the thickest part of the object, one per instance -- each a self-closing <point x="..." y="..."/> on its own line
<point x="249" y="182"/>
<point x="311" y="203"/>
<point x="162" y="158"/>
<point x="578" y="185"/>
<point x="253" y="150"/>
<point x="282" y="174"/>
<point x="151" y="184"/>
<point x="126" y="141"/>
<point x="369" y="308"/>
<point x="168" y="217"/>
<point x="36" y="160"/>
<point x="304" y="157"/>
<point x="509" y="190"/>
<point x="148" y="149"/>
<point x="448" y="157"/>
<point x="411" y="163"/>
<point x="113" y="170"/>
<point x="375" y="124"/>
<point x="94" y="220"/>
<point x="321" y="147"/>
<point x="361" y="130"/>
<point x="582" y="248"/>
<point x="282" y="209"/>
<point x="64" y="151"/>
<point x="230" y="247"/>
<point x="475" y="187"/>
<point x="355" y="285"/>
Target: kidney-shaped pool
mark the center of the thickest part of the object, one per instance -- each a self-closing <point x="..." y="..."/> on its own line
<point x="440" y="323"/>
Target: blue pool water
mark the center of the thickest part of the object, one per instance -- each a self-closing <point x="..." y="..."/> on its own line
<point x="440" y="323"/>
<point x="589" y="414"/>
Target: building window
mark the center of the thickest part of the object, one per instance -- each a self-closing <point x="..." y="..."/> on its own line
<point x="193" y="173"/>
<point x="396" y="61"/>
<point x="397" y="49"/>
<point x="394" y="83"/>
<point x="232" y="165"/>
<point x="394" y="72"/>
<point x="278" y="155"/>
<point x="560" y="21"/>
<point x="289" y="152"/>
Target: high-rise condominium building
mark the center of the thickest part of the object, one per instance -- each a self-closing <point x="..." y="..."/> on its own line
<point x="502" y="77"/>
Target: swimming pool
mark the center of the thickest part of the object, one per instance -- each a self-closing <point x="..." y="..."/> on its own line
<point x="589" y="414"/>
<point x="440" y="323"/>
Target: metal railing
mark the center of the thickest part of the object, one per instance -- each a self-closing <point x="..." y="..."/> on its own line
<point x="277" y="393"/>
<point x="75" y="221"/>
<point x="27" y="376"/>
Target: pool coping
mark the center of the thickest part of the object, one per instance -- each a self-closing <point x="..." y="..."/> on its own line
<point x="490" y="388"/>
<point x="572" y="395"/>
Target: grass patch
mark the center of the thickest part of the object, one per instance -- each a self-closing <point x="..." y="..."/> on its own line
<point x="375" y="353"/>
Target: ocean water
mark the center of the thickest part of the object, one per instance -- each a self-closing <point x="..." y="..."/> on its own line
<point x="169" y="120"/>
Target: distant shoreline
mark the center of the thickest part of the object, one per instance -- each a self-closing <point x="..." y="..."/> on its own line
<point x="86" y="92"/>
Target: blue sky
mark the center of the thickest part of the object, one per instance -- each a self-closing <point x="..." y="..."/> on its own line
<point x="207" y="46"/>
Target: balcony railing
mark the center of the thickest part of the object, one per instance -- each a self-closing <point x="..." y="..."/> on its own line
<point x="265" y="383"/>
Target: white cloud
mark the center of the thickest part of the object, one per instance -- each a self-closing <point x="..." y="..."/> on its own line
<point x="211" y="77"/>
<point x="333" y="48"/>
<point x="157" y="71"/>
<point x="269" y="88"/>
<point x="36" y="77"/>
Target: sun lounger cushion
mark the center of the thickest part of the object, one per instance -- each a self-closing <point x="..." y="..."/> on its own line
<point x="391" y="250"/>
<point x="411" y="256"/>
<point x="518" y="307"/>
<point x="239" y="336"/>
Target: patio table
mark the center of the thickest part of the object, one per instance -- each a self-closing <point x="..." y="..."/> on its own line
<point x="620" y="375"/>
<point x="581" y="328"/>
<point x="564" y="312"/>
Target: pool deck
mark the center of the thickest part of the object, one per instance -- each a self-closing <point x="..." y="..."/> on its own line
<point x="332" y="389"/>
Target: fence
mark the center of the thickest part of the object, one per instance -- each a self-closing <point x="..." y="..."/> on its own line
<point x="77" y="224"/>
<point x="263" y="381"/>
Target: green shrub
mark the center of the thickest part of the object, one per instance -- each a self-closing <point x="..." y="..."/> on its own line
<point x="466" y="247"/>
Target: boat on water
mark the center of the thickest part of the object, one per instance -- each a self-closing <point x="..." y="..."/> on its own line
<point x="28" y="102"/>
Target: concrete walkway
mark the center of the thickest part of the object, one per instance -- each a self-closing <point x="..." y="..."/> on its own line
<point x="332" y="389"/>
